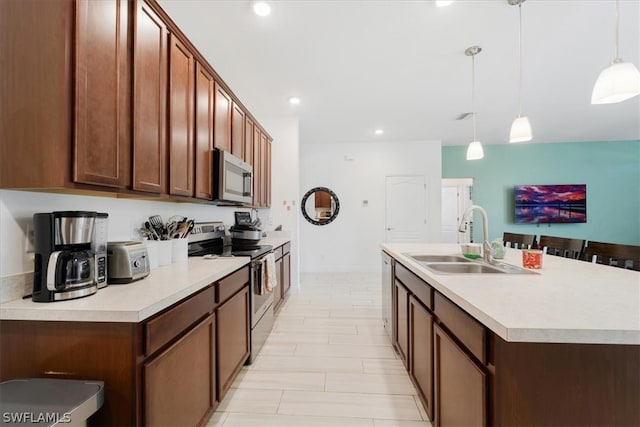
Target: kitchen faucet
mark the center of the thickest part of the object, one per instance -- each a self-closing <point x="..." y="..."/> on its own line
<point x="486" y="246"/>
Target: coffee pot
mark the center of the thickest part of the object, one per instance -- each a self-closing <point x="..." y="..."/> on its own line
<point x="64" y="260"/>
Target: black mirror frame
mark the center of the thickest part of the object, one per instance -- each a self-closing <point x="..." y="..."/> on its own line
<point x="304" y="202"/>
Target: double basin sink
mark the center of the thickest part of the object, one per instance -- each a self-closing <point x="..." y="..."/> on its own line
<point x="457" y="264"/>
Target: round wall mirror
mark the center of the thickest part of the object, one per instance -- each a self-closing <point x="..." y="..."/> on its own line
<point x="320" y="206"/>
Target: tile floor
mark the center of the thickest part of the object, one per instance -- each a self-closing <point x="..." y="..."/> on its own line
<point x="328" y="362"/>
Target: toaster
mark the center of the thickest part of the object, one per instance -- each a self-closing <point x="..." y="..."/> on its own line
<point x="127" y="262"/>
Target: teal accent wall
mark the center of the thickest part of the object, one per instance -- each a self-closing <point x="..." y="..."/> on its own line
<point x="611" y="171"/>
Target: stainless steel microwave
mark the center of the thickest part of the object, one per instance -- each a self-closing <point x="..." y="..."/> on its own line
<point x="232" y="179"/>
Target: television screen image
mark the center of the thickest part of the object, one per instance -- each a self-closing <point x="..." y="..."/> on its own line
<point x="544" y="204"/>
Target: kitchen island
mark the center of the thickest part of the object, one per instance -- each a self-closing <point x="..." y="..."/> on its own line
<point x="560" y="347"/>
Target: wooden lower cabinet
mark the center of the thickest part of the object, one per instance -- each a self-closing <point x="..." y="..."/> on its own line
<point x="170" y="369"/>
<point x="460" y="384"/>
<point x="286" y="272"/>
<point x="233" y="338"/>
<point x="402" y="322"/>
<point x="278" y="292"/>
<point x="180" y="383"/>
<point x="421" y="352"/>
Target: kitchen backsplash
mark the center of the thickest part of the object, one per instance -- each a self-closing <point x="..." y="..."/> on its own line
<point x="125" y="217"/>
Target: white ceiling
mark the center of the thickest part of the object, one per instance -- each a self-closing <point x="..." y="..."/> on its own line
<point x="400" y="66"/>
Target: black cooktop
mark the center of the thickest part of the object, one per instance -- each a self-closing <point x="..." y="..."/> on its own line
<point x="216" y="248"/>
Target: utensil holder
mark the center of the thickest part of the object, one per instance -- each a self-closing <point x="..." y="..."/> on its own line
<point x="179" y="250"/>
<point x="165" y="252"/>
<point x="153" y="252"/>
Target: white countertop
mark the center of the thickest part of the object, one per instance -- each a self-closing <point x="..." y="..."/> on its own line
<point x="569" y="301"/>
<point x="132" y="302"/>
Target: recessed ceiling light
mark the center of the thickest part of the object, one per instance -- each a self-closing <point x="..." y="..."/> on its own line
<point x="443" y="3"/>
<point x="261" y="8"/>
<point x="379" y="131"/>
<point x="294" y="100"/>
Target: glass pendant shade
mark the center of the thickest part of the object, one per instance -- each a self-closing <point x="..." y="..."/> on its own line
<point x="475" y="151"/>
<point x="520" y="130"/>
<point x="616" y="83"/>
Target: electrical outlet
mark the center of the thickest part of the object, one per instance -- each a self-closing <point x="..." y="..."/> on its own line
<point x="29" y="245"/>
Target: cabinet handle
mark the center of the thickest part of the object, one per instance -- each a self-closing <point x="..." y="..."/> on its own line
<point x="389" y="228"/>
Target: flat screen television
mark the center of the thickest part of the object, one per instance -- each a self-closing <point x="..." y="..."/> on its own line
<point x="545" y="204"/>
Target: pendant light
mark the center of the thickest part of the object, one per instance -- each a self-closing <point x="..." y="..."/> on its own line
<point x="474" y="151"/>
<point x="619" y="81"/>
<point x="521" y="128"/>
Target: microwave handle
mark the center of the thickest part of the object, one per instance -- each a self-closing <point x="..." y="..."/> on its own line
<point x="247" y="184"/>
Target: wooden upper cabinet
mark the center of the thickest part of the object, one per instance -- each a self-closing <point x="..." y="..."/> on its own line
<point x="268" y="175"/>
<point x="257" y="167"/>
<point x="248" y="140"/>
<point x="264" y="158"/>
<point x="205" y="85"/>
<point x="181" y="106"/>
<point x="102" y="88"/>
<point x="222" y="119"/>
<point x="237" y="131"/>
<point x="149" y="100"/>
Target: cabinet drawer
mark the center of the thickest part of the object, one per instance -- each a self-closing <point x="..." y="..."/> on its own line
<point x="286" y="248"/>
<point x="416" y="285"/>
<point x="232" y="284"/>
<point x="465" y="328"/>
<point x="278" y="252"/>
<point x="168" y="325"/>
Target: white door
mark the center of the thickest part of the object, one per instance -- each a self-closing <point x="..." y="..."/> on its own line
<point x="456" y="198"/>
<point x="406" y="209"/>
<point x="450" y="218"/>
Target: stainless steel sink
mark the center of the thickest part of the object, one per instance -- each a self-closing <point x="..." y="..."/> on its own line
<point x="476" y="267"/>
<point x="462" y="268"/>
<point x="438" y="258"/>
<point x="457" y="264"/>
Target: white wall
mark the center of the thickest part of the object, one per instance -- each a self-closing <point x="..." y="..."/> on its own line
<point x="285" y="182"/>
<point x="125" y="215"/>
<point x="351" y="241"/>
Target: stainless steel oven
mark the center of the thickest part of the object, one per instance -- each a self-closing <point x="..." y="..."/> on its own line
<point x="207" y="238"/>
<point x="261" y="307"/>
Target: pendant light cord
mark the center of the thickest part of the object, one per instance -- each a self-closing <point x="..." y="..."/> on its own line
<point x="473" y="93"/>
<point x="520" y="63"/>
<point x="617" y="31"/>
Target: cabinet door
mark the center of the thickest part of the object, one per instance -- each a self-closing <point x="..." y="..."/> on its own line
<point x="102" y="114"/>
<point x="237" y="131"/>
<point x="286" y="274"/>
<point x="248" y="140"/>
<point x="222" y="119"/>
<point x="257" y="167"/>
<point x="181" y="121"/>
<point x="263" y="169"/>
<point x="204" y="133"/>
<point x="233" y="339"/>
<point x="421" y="351"/>
<point x="402" y="322"/>
<point x="277" y="293"/>
<point x="149" y="102"/>
<point x="460" y="385"/>
<point x="179" y="384"/>
<point x="268" y="175"/>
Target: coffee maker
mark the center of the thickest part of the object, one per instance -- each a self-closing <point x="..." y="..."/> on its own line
<point x="64" y="260"/>
<point x="99" y="248"/>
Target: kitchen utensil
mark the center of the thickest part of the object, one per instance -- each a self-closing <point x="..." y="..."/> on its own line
<point x="151" y="230"/>
<point x="188" y="230"/>
<point x="158" y="225"/>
